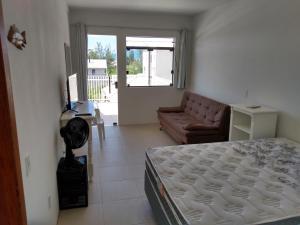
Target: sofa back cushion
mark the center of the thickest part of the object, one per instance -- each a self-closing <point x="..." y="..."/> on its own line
<point x="204" y="109"/>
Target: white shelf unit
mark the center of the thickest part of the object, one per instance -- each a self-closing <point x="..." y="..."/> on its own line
<point x="248" y="123"/>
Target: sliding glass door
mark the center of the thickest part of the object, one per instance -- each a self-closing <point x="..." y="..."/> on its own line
<point x="102" y="76"/>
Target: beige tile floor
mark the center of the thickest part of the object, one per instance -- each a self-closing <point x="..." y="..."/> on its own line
<point x="116" y="196"/>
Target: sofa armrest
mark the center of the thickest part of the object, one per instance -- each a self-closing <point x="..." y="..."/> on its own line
<point x="170" y="109"/>
<point x="199" y="126"/>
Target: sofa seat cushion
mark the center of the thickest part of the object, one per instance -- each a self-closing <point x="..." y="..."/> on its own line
<point x="199" y="126"/>
<point x="180" y="121"/>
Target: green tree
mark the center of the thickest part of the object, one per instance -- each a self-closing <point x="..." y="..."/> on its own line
<point x="93" y="54"/>
<point x="134" y="60"/>
<point x="130" y="57"/>
<point x="109" y="56"/>
<point x="100" y="50"/>
<point x="135" y="67"/>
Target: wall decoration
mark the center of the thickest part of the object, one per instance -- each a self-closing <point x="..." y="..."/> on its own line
<point x="16" y="38"/>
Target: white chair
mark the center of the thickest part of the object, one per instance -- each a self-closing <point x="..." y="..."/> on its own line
<point x="100" y="125"/>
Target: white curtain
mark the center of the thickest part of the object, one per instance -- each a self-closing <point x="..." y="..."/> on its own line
<point x="183" y="60"/>
<point x="79" y="57"/>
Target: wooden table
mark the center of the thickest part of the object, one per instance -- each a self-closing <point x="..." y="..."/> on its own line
<point x="83" y="107"/>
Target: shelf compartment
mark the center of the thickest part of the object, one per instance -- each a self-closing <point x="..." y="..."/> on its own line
<point x="241" y="120"/>
<point x="237" y="134"/>
<point x="243" y="128"/>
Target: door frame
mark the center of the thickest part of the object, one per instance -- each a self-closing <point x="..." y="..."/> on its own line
<point x="125" y="93"/>
<point x="91" y="30"/>
<point x="12" y="204"/>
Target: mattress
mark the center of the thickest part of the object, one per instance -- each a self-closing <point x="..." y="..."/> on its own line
<point x="230" y="183"/>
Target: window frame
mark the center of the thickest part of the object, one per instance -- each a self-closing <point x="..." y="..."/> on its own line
<point x="123" y="32"/>
<point x="150" y="49"/>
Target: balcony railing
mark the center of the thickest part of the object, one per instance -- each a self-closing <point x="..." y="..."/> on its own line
<point x="100" y="87"/>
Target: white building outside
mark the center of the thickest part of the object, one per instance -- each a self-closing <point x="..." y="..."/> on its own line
<point x="97" y="67"/>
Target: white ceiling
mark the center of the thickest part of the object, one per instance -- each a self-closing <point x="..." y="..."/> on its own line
<point x="170" y="6"/>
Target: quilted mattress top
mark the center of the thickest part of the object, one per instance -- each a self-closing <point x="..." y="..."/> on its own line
<point x="231" y="183"/>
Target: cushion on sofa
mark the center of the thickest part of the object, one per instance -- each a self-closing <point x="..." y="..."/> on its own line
<point x="203" y="109"/>
<point x="178" y="121"/>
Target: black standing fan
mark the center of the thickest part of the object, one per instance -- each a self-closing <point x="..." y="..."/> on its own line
<point x="75" y="135"/>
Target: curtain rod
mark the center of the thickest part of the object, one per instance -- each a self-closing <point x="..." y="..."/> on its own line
<point x="136" y="28"/>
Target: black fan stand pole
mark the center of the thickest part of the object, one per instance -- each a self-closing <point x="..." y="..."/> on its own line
<point x="70" y="157"/>
<point x="70" y="160"/>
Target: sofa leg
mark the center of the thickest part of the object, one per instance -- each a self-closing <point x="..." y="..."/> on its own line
<point x="160" y="128"/>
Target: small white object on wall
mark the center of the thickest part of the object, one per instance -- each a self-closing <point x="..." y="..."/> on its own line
<point x="247" y="123"/>
<point x="27" y="165"/>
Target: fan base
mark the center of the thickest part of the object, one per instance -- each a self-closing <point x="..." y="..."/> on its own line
<point x="72" y="183"/>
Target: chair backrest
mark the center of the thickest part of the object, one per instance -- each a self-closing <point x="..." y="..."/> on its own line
<point x="98" y="114"/>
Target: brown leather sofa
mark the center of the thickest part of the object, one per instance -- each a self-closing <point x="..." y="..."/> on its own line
<point x="197" y="120"/>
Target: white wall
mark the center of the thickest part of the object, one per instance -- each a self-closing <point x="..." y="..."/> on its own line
<point x="137" y="105"/>
<point x="38" y="80"/>
<point x="255" y="46"/>
<point x="98" y="17"/>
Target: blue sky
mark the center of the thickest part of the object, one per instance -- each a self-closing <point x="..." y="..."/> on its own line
<point x="104" y="40"/>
